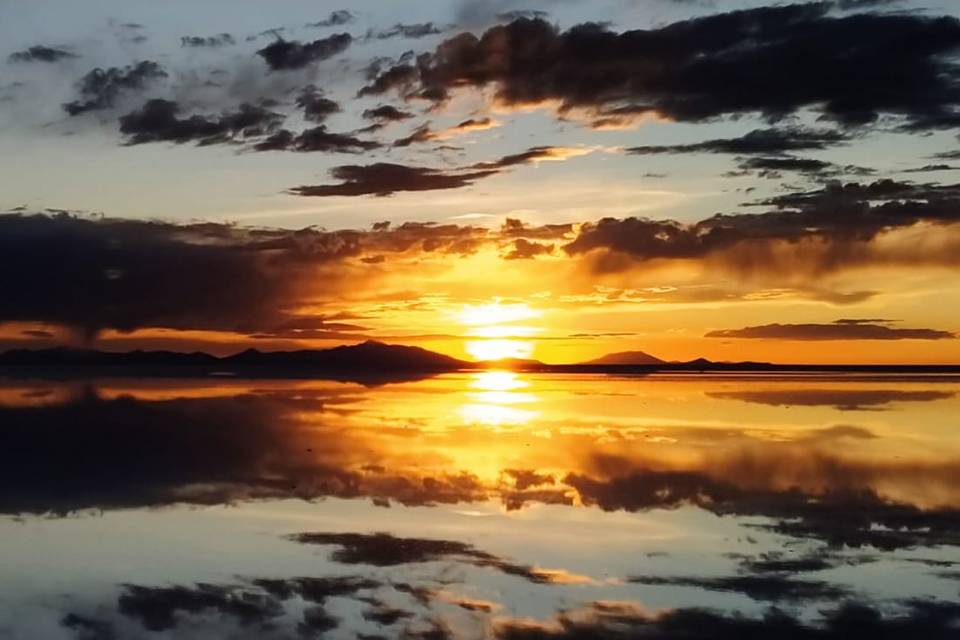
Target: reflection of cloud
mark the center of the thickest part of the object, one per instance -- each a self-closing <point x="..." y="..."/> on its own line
<point x="385" y="550"/>
<point x="848" y="621"/>
<point x="210" y="445"/>
<point x="841" y="399"/>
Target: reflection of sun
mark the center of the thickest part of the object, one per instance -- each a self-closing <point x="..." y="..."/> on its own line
<point x="498" y="381"/>
<point x="491" y="405"/>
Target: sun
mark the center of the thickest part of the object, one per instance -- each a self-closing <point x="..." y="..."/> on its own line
<point x="494" y="330"/>
<point x="499" y="349"/>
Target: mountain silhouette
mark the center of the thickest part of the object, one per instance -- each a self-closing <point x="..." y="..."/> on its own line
<point x="626" y="358"/>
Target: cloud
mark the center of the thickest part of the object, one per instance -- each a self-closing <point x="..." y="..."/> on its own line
<point x="315" y="139"/>
<point x="335" y="19"/>
<point x="813" y="232"/>
<point x="762" y="60"/>
<point x="209" y="42"/>
<point x="851" y="620"/>
<point x="316" y="107"/>
<point x="525" y="249"/>
<point x="385" y="550"/>
<point x="425" y="134"/>
<point x="100" y="88"/>
<point x="158" y="121"/>
<point x="774" y="587"/>
<point x="756" y="142"/>
<point x="840" y="399"/>
<point x="286" y="55"/>
<point x="838" y="330"/>
<point x="384" y="178"/>
<point x="412" y="31"/>
<point x="221" y="276"/>
<point x="386" y="113"/>
<point x="41" y="53"/>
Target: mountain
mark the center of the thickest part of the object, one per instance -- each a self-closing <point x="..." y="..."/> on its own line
<point x="626" y="358"/>
<point x="372" y="356"/>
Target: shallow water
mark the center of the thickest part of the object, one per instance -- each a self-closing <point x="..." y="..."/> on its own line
<point x="481" y="505"/>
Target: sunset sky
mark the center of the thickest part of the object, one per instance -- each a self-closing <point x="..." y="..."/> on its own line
<point x="553" y="179"/>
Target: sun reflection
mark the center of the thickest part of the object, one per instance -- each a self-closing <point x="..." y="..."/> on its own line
<point x="498" y="381"/>
<point x="493" y="404"/>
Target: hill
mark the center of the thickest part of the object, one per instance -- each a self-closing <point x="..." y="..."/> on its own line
<point x="625" y="358"/>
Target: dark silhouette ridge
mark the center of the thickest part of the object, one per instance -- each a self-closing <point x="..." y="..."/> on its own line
<point x="373" y="362"/>
<point x="626" y="358"/>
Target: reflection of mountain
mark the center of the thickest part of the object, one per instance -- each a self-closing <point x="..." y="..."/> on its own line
<point x="626" y="357"/>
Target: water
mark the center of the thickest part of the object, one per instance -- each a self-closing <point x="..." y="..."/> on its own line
<point x="481" y="505"/>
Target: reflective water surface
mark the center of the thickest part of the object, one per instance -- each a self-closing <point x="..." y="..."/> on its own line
<point x="482" y="505"/>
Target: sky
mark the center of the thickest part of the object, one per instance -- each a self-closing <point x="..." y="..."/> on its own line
<point x="553" y="179"/>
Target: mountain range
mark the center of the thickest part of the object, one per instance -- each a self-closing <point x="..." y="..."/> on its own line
<point x="368" y="360"/>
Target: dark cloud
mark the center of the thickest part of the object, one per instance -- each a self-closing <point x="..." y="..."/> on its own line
<point x="932" y="167"/>
<point x="420" y="135"/>
<point x="384" y="550"/>
<point x="525" y="249"/>
<point x="285" y="55"/>
<point x="515" y="14"/>
<point x="935" y="620"/>
<point x="853" y="5"/>
<point x="756" y="142"/>
<point x="839" y="330"/>
<point x="384" y="178"/>
<point x="840" y="399"/>
<point x="315" y="139"/>
<point x="846" y="514"/>
<point x="316" y="107"/>
<point x="335" y="19"/>
<point x="40" y="53"/>
<point x="86" y="628"/>
<point x="769" y="60"/>
<point x="219" y="40"/>
<point x="386" y="113"/>
<point x="837" y="222"/>
<point x="775" y="588"/>
<point x="222" y="276"/>
<point x="158" y="121"/>
<point x="100" y="88"/>
<point x="157" y="607"/>
<point x="218" y="450"/>
<point x="412" y="31"/>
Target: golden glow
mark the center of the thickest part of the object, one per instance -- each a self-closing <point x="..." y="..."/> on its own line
<point x="498" y="381"/>
<point x="499" y="349"/>
<point x="496" y="313"/>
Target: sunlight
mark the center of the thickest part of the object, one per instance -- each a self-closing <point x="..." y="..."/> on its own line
<point x="498" y="381"/>
<point x="496" y="313"/>
<point x="499" y="349"/>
